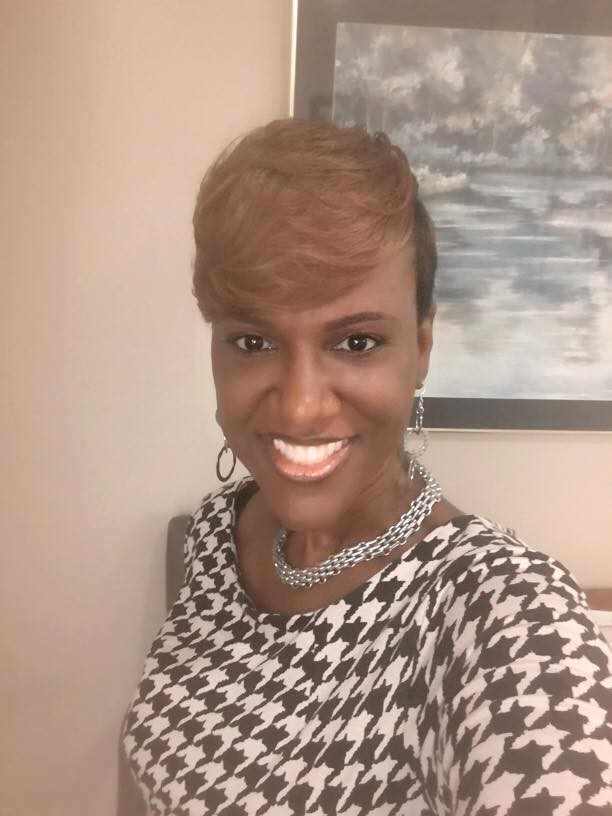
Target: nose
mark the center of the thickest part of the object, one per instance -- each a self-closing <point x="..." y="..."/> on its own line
<point x="307" y="399"/>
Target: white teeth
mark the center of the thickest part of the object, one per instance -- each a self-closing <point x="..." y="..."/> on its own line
<point x="307" y="454"/>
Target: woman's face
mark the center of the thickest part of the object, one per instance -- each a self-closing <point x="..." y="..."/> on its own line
<point x="344" y="372"/>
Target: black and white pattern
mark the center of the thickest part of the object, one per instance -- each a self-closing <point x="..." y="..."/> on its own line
<point x="467" y="677"/>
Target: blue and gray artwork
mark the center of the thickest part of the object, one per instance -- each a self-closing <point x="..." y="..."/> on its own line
<point x="510" y="136"/>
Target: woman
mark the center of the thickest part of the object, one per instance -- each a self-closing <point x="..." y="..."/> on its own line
<point x="346" y="640"/>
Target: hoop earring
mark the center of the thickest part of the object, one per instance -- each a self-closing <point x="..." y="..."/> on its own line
<point x="225" y="449"/>
<point x="416" y="434"/>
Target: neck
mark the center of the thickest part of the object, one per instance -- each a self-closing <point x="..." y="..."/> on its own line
<point x="375" y="509"/>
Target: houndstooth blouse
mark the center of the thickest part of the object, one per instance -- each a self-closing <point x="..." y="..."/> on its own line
<point x="467" y="677"/>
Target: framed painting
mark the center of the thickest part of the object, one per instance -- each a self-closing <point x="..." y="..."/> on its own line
<point x="505" y="113"/>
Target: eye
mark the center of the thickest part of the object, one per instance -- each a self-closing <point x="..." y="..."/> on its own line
<point x="252" y="343"/>
<point x="358" y="343"/>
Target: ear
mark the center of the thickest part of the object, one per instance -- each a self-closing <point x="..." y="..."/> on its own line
<point x="424" y="343"/>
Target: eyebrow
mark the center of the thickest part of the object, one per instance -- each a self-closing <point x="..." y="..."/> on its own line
<point x="358" y="317"/>
<point x="332" y="325"/>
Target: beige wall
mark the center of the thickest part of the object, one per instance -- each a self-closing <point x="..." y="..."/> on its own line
<point x="111" y="111"/>
<point x="114" y="109"/>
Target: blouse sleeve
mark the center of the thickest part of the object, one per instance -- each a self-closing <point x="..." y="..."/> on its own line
<point x="525" y="697"/>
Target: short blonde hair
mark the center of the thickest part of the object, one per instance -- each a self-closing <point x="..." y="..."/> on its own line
<point x="298" y="212"/>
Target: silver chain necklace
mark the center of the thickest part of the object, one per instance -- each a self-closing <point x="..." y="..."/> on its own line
<point x="364" y="550"/>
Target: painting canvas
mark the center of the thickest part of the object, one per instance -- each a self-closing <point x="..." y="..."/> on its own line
<point x="510" y="136"/>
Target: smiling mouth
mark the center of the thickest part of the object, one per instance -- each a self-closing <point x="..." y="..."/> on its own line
<point x="307" y="462"/>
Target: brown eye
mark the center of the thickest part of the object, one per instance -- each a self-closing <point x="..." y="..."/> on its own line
<point x="252" y="343"/>
<point x="358" y="343"/>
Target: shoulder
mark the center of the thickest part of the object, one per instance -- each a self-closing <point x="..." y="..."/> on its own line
<point x="498" y="595"/>
<point x="212" y="520"/>
<point x="217" y="501"/>
<point x="487" y="581"/>
<point x="483" y="557"/>
<point x="521" y="676"/>
<point x="218" y="506"/>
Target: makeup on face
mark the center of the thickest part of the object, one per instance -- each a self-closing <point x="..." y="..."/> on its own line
<point x="314" y="402"/>
<point x="308" y="462"/>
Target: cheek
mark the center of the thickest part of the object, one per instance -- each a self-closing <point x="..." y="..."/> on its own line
<point x="230" y="397"/>
<point x="224" y="382"/>
<point x="237" y="391"/>
<point x="384" y="393"/>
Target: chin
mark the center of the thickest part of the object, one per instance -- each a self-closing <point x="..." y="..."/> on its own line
<point x="306" y="510"/>
<point x="302" y="497"/>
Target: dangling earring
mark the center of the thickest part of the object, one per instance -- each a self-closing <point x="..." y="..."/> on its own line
<point x="416" y="433"/>
<point x="225" y="449"/>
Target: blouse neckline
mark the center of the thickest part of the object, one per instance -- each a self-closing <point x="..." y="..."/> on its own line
<point x="281" y="620"/>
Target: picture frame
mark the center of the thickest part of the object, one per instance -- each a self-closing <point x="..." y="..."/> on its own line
<point x="322" y="28"/>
